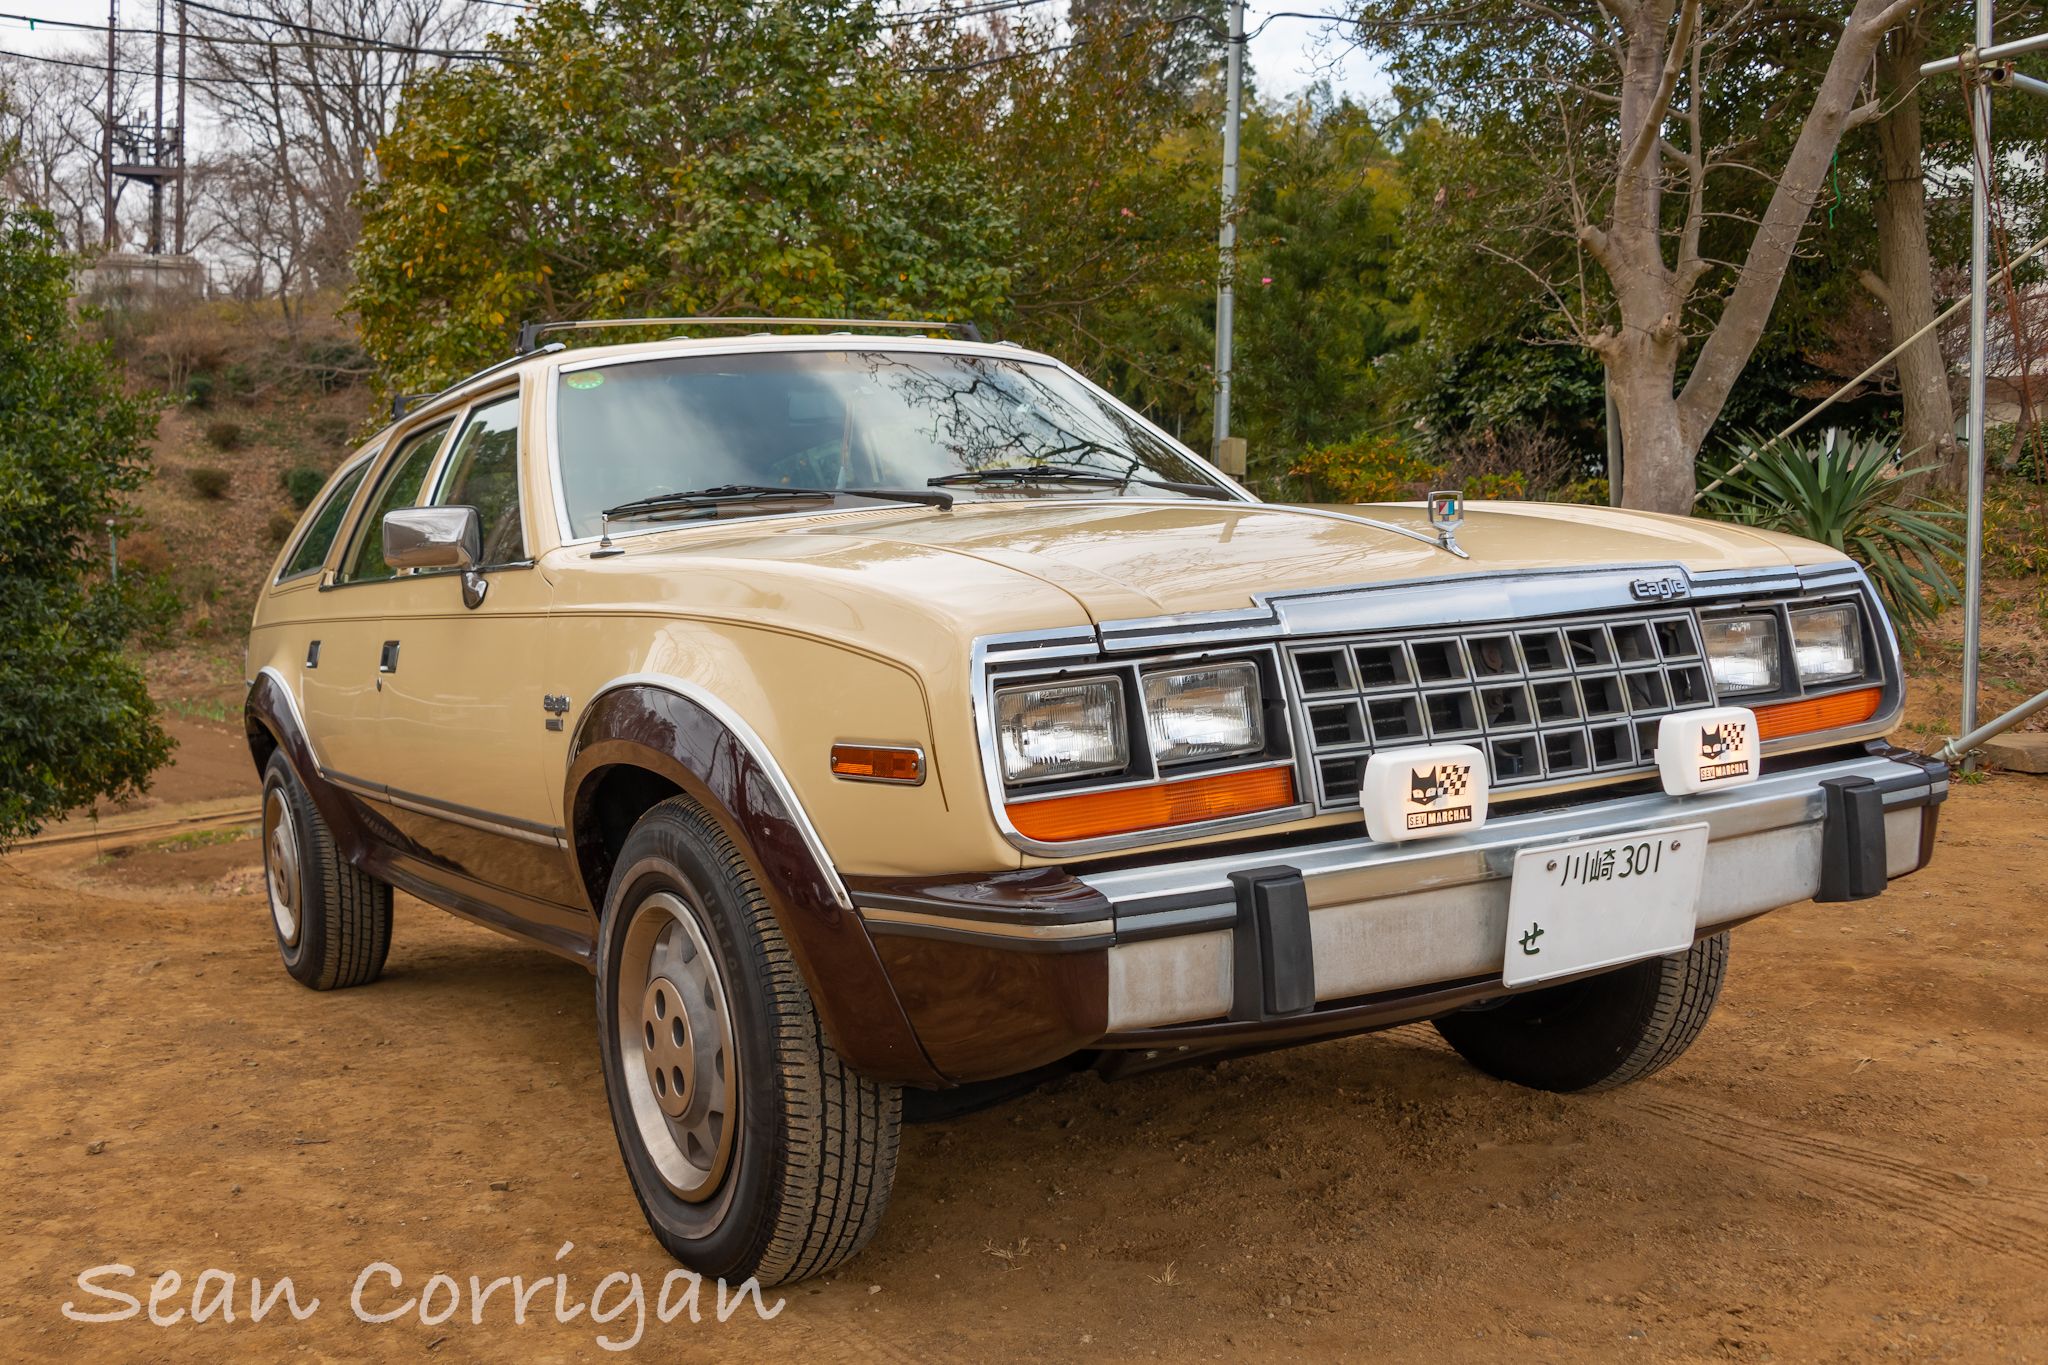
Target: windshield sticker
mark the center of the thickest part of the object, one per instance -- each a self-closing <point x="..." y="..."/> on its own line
<point x="583" y="381"/>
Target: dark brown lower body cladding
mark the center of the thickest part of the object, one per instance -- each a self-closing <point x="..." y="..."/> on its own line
<point x="650" y="731"/>
<point x="986" y="1012"/>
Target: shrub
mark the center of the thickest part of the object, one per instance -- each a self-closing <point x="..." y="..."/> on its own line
<point x="1518" y="461"/>
<point x="208" y="482"/>
<point x="1593" y="492"/>
<point x="226" y="435"/>
<point x="331" y="428"/>
<point x="1509" y="486"/>
<point x="144" y="553"/>
<point x="77" y="724"/>
<point x="302" y="484"/>
<point x="199" y="391"/>
<point x="1846" y="492"/>
<point x="1365" y="469"/>
<point x="281" y="524"/>
<point x="2016" y="528"/>
<point x="336" y="363"/>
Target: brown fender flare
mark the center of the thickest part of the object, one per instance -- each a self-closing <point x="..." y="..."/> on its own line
<point x="655" y="729"/>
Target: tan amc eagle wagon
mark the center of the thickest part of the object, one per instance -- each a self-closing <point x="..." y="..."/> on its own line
<point x="885" y="717"/>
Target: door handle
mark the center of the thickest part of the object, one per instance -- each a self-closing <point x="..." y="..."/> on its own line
<point x="387" y="662"/>
<point x="313" y="654"/>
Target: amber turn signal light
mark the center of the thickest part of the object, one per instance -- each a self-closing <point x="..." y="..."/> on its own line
<point x="1093" y="815"/>
<point x="878" y="763"/>
<point x="1821" y="713"/>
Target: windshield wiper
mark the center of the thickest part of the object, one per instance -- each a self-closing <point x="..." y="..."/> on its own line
<point x="1060" y="473"/>
<point x="1211" y="491"/>
<point x="709" y="500"/>
<point x="1029" y="473"/>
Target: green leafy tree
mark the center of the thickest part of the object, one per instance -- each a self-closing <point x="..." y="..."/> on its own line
<point x="76" y="721"/>
<point x="668" y="156"/>
<point x="1319" y="234"/>
<point x="1097" y="146"/>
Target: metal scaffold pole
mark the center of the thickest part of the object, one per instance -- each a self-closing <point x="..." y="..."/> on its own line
<point x="1980" y="219"/>
<point x="1984" y="64"/>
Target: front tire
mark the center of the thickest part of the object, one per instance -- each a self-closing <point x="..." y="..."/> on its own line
<point x="331" y="919"/>
<point x="1595" y="1034"/>
<point x="752" y="1148"/>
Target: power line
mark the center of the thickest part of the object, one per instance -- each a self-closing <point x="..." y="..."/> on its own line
<point x="33" y="20"/>
<point x="947" y="12"/>
<point x="101" y="67"/>
<point x="1049" y="49"/>
<point x="461" y="54"/>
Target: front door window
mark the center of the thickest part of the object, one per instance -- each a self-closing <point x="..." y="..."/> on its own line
<point x="484" y="473"/>
<point x="401" y="488"/>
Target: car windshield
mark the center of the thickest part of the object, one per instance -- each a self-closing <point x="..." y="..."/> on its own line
<point x="849" y="419"/>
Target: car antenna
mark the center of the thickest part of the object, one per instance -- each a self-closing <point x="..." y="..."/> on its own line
<point x="605" y="549"/>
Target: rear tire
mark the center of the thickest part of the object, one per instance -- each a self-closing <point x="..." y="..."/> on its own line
<point x="331" y="919"/>
<point x="752" y="1148"/>
<point x="1595" y="1034"/>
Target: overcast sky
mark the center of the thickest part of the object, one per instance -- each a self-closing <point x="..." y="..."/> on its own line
<point x="1286" y="58"/>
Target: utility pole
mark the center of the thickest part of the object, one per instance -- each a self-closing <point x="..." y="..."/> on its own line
<point x="156" y="187"/>
<point x="1229" y="454"/>
<point x="108" y="227"/>
<point x="178" y="232"/>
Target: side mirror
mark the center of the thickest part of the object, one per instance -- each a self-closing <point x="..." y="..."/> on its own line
<point x="432" y="538"/>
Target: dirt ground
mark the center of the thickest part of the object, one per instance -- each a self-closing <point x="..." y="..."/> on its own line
<point x="1851" y="1164"/>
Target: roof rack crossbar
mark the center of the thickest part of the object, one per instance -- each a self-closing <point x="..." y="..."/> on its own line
<point x="530" y="333"/>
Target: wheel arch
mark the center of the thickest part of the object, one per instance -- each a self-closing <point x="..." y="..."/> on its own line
<point x="645" y="738"/>
<point x="270" y="721"/>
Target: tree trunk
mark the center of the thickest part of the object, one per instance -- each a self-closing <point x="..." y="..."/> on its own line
<point x="1656" y="462"/>
<point x="1905" y="283"/>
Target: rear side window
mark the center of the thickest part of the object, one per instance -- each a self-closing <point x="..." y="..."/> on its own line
<point x="401" y="488"/>
<point x="320" y="530"/>
<point x="484" y="473"/>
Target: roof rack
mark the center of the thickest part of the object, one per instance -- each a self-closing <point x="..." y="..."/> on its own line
<point x="530" y="333"/>
<point x="403" y="403"/>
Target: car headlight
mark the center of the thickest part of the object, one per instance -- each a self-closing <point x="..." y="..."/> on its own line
<point x="1743" y="653"/>
<point x="1827" y="644"/>
<point x="1062" y="730"/>
<point x="1204" y="713"/>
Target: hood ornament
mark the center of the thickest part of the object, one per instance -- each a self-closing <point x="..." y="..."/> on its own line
<point x="1447" y="514"/>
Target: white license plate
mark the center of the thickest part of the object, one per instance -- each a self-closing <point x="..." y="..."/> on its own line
<point x="1599" y="903"/>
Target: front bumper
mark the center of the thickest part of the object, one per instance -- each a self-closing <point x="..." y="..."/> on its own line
<point x="1001" y="973"/>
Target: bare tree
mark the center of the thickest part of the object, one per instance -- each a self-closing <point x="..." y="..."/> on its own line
<point x="1671" y="153"/>
<point x="303" y="90"/>
<point x="52" y="116"/>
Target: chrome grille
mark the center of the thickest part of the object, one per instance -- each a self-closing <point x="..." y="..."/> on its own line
<point x="1547" y="701"/>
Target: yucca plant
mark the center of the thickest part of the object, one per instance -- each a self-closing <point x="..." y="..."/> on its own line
<point x="1850" y="493"/>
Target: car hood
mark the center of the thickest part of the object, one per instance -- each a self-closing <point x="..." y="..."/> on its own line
<point x="911" y="583"/>
<point x="1123" y="560"/>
